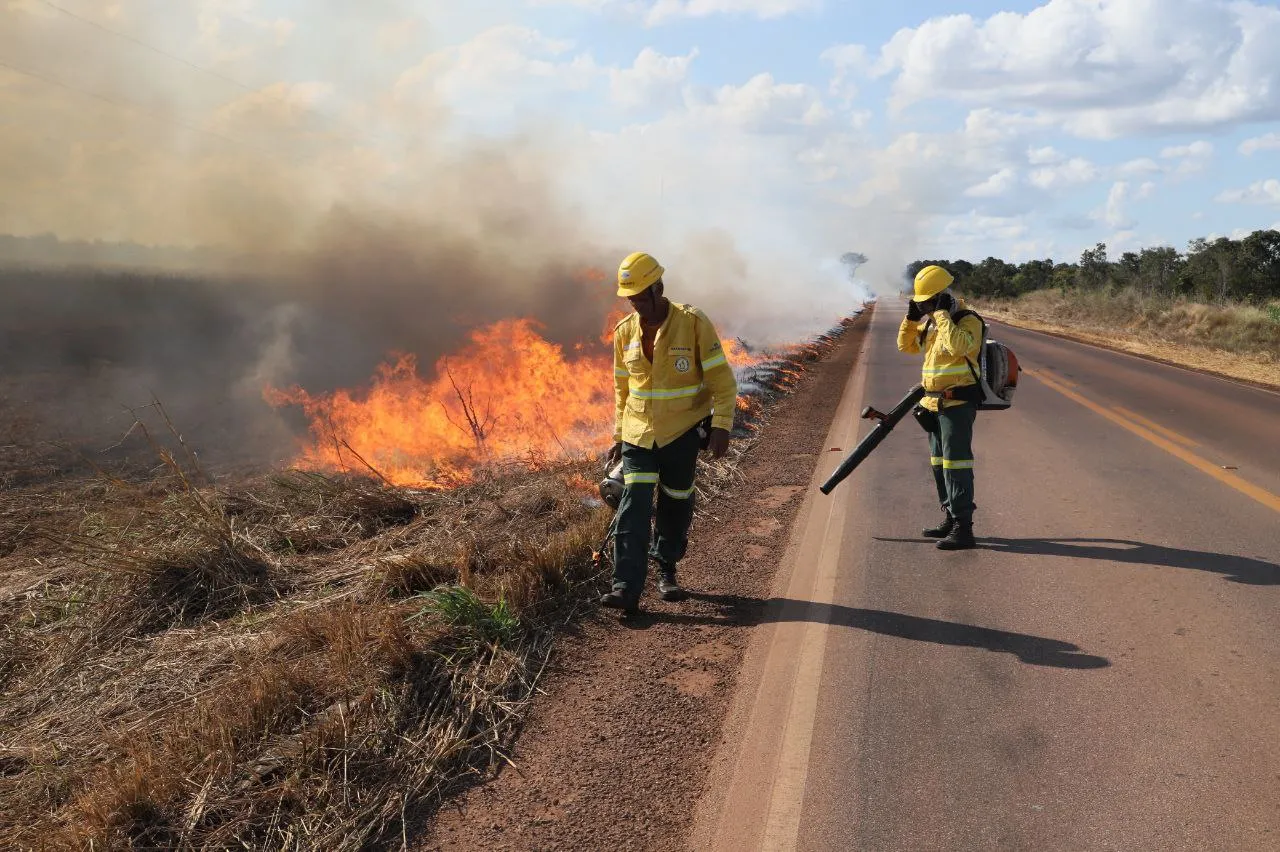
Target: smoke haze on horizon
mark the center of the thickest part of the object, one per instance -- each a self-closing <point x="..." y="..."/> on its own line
<point x="367" y="206"/>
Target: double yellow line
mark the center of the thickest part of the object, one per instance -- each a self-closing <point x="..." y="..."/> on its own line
<point x="1166" y="439"/>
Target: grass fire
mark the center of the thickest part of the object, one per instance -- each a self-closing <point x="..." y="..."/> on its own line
<point x="307" y="655"/>
<point x="508" y="397"/>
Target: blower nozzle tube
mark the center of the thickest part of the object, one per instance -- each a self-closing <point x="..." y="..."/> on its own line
<point x="874" y="437"/>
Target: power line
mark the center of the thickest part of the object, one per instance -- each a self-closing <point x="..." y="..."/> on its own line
<point x="149" y="46"/>
<point x="273" y="155"/>
<point x="119" y="104"/>
<point x="354" y="140"/>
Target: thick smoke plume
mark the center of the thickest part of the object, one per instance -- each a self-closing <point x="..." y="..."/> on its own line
<point x="320" y="232"/>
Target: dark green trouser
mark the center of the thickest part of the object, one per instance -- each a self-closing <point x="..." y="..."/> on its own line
<point x="669" y="471"/>
<point x="952" y="458"/>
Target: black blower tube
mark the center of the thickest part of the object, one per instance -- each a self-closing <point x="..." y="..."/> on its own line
<point x="874" y="437"/>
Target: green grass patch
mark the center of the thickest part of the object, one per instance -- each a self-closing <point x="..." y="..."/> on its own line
<point x="459" y="606"/>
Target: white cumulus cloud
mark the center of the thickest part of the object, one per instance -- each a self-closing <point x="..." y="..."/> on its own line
<point x="1266" y="142"/>
<point x="1140" y="166"/>
<point x="1261" y="192"/>
<point x="1101" y="68"/>
<point x="652" y="79"/>
<point x="1045" y="156"/>
<point x="1190" y="158"/>
<point x="665" y="10"/>
<point x="847" y="61"/>
<point x="1001" y="183"/>
<point x="1072" y="172"/>
<point x="499" y="67"/>
<point x="1113" y="212"/>
<point x="762" y="104"/>
<point x="656" y="12"/>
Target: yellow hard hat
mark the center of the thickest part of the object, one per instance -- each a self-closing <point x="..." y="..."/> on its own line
<point x="931" y="281"/>
<point x="638" y="273"/>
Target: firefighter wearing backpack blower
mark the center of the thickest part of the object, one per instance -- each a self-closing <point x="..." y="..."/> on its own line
<point x="950" y="337"/>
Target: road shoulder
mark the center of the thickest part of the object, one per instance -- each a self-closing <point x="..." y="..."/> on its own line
<point x="616" y="753"/>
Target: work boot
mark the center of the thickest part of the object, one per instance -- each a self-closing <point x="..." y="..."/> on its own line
<point x="619" y="599"/>
<point x="942" y="530"/>
<point x="669" y="588"/>
<point x="960" y="537"/>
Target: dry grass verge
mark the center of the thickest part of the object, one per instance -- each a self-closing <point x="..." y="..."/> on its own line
<point x="295" y="661"/>
<point x="243" y="674"/>
<point x="1236" y="341"/>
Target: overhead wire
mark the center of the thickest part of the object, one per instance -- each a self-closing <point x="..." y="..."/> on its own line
<point x="353" y="140"/>
<point x="35" y="75"/>
<point x="147" y="45"/>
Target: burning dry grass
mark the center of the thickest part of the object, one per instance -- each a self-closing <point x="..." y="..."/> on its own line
<point x="1238" y="341"/>
<point x="296" y="661"/>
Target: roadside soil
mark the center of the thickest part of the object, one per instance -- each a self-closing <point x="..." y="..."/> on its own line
<point x="1254" y="370"/>
<point x="615" y="753"/>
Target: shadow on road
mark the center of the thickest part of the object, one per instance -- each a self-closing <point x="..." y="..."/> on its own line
<point x="1033" y="650"/>
<point x="1237" y="569"/>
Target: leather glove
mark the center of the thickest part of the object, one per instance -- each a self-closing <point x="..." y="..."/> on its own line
<point x="915" y="311"/>
<point x="718" y="443"/>
<point x="615" y="455"/>
<point x="944" y="301"/>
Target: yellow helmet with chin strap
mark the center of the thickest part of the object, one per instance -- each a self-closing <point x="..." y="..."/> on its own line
<point x="637" y="273"/>
<point x="931" y="281"/>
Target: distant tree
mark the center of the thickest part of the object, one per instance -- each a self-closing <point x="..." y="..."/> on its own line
<point x="1064" y="276"/>
<point x="1128" y="270"/>
<point x="1220" y="269"/>
<point x="1158" y="269"/>
<point x="853" y="259"/>
<point x="1211" y="270"/>
<point x="1093" y="266"/>
<point x="1033" y="275"/>
<point x="1259" y="257"/>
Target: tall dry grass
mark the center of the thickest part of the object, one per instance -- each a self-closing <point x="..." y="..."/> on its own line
<point x="1237" y="329"/>
<point x="251" y="668"/>
<point x="293" y="661"/>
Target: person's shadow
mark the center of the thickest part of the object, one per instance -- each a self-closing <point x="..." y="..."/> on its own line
<point x="1237" y="569"/>
<point x="735" y="609"/>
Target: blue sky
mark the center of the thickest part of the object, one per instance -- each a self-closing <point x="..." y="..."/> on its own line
<point x="760" y="135"/>
<point x="1197" y="166"/>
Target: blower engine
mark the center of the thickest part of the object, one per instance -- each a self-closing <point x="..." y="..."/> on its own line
<point x="611" y="486"/>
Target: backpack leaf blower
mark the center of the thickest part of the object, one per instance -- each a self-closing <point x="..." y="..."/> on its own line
<point x="875" y="436"/>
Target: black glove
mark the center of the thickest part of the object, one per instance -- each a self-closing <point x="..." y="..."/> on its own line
<point x="915" y="311"/>
<point x="944" y="301"/>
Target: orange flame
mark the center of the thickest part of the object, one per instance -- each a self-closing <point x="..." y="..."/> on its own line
<point x="615" y="316"/>
<point x="738" y="355"/>
<point x="508" y="396"/>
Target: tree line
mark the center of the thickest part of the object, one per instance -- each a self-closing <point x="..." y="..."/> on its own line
<point x="1221" y="270"/>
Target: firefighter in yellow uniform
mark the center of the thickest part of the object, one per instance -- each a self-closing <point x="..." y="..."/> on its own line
<point x="952" y="393"/>
<point x="670" y="375"/>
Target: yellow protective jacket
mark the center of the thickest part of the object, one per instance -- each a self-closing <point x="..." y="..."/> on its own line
<point x="689" y="378"/>
<point x="948" y="348"/>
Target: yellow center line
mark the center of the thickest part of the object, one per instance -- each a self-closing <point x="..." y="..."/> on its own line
<point x="1263" y="496"/>
<point x="1155" y="427"/>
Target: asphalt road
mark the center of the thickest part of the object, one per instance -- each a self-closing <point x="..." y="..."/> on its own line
<point x="1103" y="673"/>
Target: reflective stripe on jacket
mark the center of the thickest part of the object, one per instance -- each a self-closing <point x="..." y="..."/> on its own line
<point x="689" y="378"/>
<point x="948" y="347"/>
